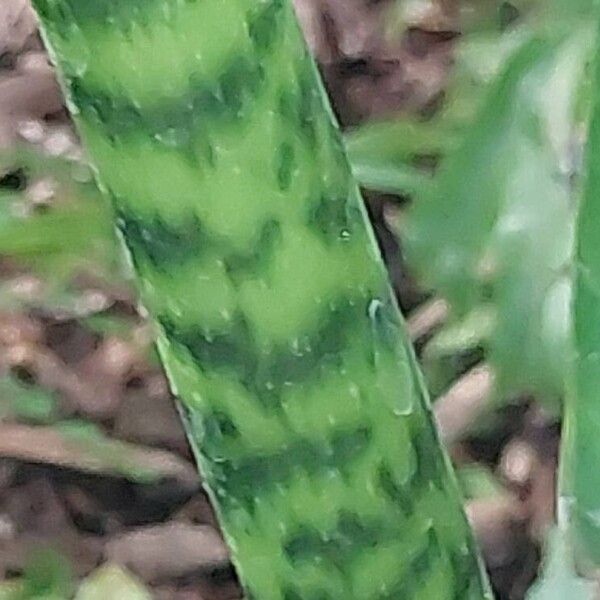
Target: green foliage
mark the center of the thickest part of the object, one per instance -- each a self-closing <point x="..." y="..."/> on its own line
<point x="559" y="579"/>
<point x="388" y="156"/>
<point x="112" y="581"/>
<point x="48" y="576"/>
<point x="10" y="590"/>
<point x="108" y="324"/>
<point x="581" y="455"/>
<point x="492" y="229"/>
<point x="496" y="227"/>
<point x="28" y="403"/>
<point x="477" y="481"/>
<point x="72" y="235"/>
<point x="461" y="336"/>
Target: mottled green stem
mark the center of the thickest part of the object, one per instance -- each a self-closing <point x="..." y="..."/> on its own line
<point x="209" y="130"/>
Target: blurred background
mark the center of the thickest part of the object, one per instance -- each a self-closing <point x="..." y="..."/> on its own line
<point x="97" y="482"/>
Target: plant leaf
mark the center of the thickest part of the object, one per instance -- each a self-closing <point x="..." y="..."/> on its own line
<point x="112" y="581"/>
<point x="580" y="480"/>
<point x="74" y="235"/>
<point x="496" y="228"/>
<point x="477" y="481"/>
<point x="463" y="335"/>
<point x="26" y="403"/>
<point x="383" y="154"/>
<point x="47" y="576"/>
<point x="559" y="579"/>
<point x="11" y="590"/>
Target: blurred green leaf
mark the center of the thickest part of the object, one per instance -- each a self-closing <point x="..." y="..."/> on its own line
<point x="112" y="582"/>
<point x="477" y="481"/>
<point x="469" y="16"/>
<point x="495" y="223"/>
<point x="73" y="235"/>
<point x="28" y="403"/>
<point x="559" y="580"/>
<point x="108" y="324"/>
<point x="47" y="576"/>
<point x="580" y="477"/>
<point x="496" y="228"/>
<point x="90" y="449"/>
<point x="462" y="335"/>
<point x="385" y="155"/>
<point x="11" y="590"/>
<point x="389" y="178"/>
<point x="382" y="154"/>
<point x="456" y="348"/>
<point x="67" y="232"/>
<point x="399" y="141"/>
<point x="442" y="371"/>
<point x="66" y="237"/>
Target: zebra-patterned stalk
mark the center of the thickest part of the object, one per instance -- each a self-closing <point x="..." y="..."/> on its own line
<point x="210" y="132"/>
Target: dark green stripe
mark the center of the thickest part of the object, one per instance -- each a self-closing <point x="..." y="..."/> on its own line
<point x="420" y="565"/>
<point x="265" y="373"/>
<point x="239" y="480"/>
<point x="429" y="468"/>
<point x="292" y="594"/>
<point x="334" y="217"/>
<point x="415" y="575"/>
<point x="232" y="351"/>
<point x="164" y="245"/>
<point x="264" y="24"/>
<point x="399" y="494"/>
<point x="175" y="122"/>
<point x="351" y="536"/>
<point x="465" y="569"/>
<point x="218" y="424"/>
<point x="410" y="580"/>
<point x="254" y="263"/>
<point x="299" y="105"/>
<point x="99" y="12"/>
<point x="286" y="163"/>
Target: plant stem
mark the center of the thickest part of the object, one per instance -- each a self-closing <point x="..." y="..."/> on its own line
<point x="209" y="129"/>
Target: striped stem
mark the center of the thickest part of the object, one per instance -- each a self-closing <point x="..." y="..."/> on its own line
<point x="209" y="129"/>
